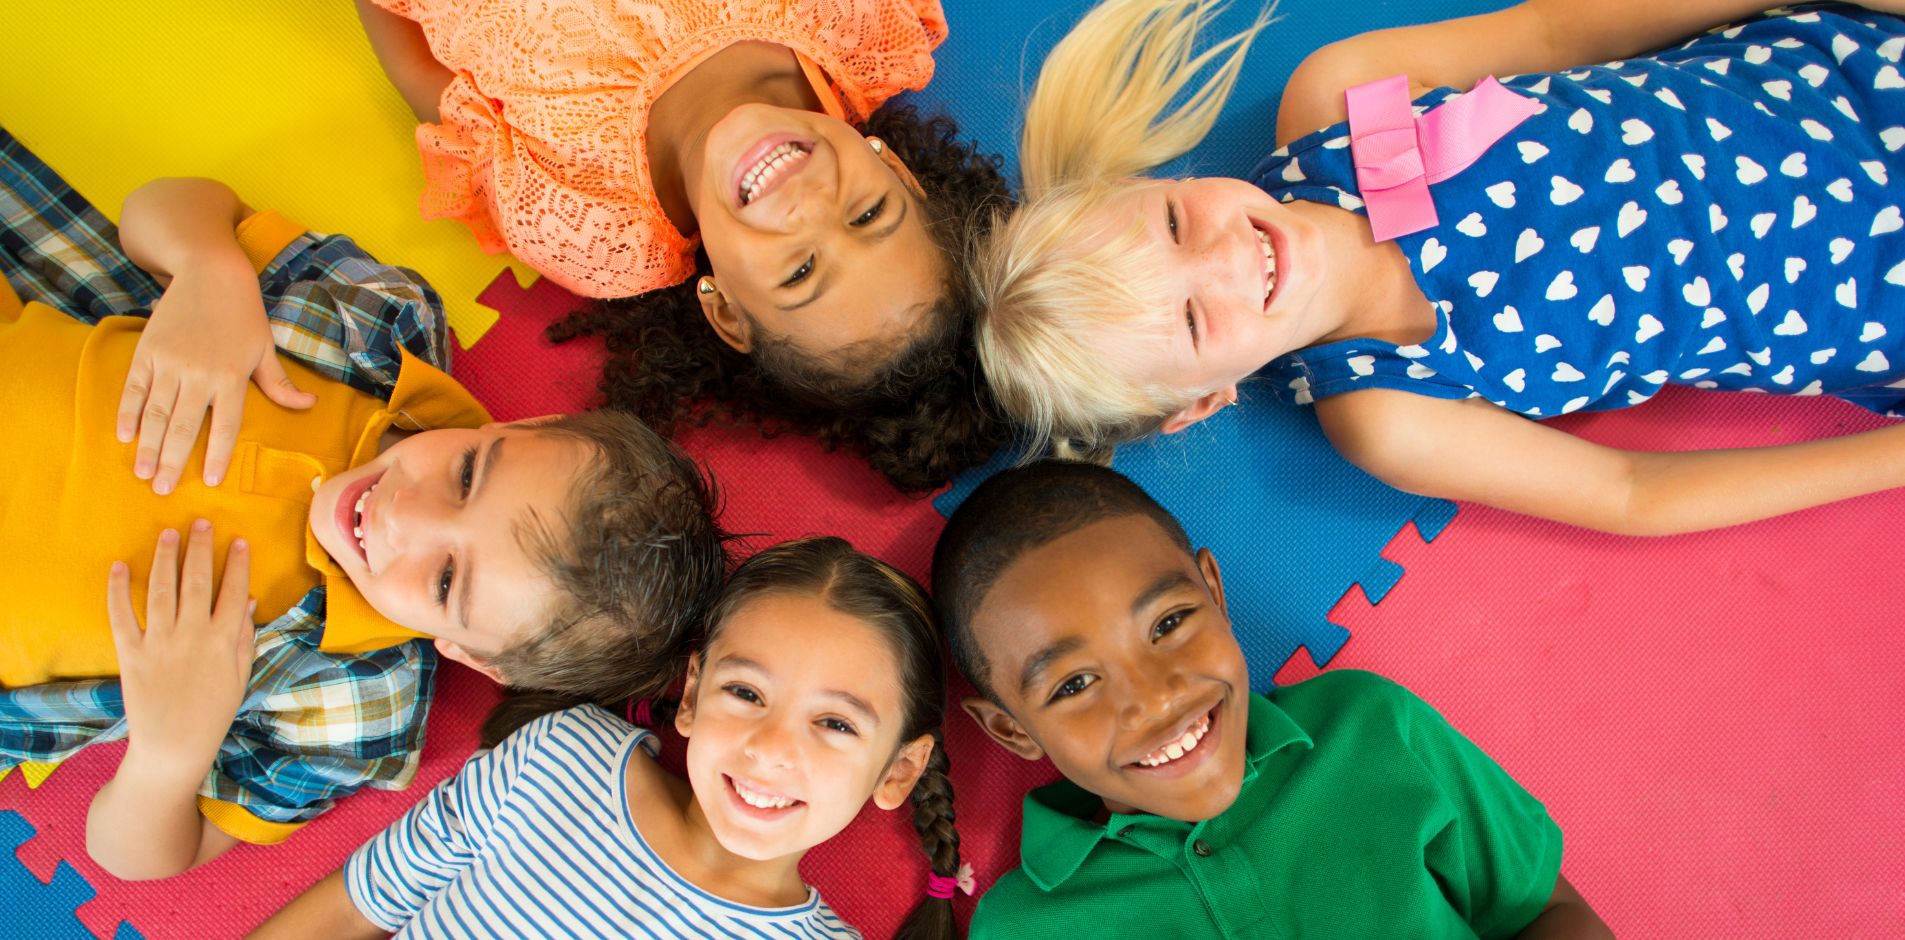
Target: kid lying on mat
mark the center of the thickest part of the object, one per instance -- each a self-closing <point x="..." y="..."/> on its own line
<point x="360" y="497"/>
<point x="795" y="246"/>
<point x="1342" y="806"/>
<point x="1722" y="212"/>
<point x="820" y="686"/>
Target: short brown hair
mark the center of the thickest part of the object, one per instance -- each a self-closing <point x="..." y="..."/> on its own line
<point x="636" y="560"/>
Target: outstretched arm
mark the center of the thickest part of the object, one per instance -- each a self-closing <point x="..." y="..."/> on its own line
<point x="1532" y="36"/>
<point x="1472" y="450"/>
<point x="405" y="55"/>
<point x="323" y="910"/>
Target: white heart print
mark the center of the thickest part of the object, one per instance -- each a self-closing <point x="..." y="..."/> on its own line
<point x="1603" y="310"/>
<point x="1527" y="245"/>
<point x="1509" y="320"/>
<point x="1636" y="276"/>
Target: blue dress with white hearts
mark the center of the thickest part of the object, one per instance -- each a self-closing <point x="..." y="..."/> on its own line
<point x="1723" y="214"/>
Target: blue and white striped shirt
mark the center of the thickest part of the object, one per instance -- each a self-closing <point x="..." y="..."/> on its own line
<point x="535" y="839"/>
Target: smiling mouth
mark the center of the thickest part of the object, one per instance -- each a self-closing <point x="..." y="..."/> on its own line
<point x="773" y="166"/>
<point x="763" y="802"/>
<point x="1181" y="746"/>
<point x="350" y="523"/>
<point x="1269" y="249"/>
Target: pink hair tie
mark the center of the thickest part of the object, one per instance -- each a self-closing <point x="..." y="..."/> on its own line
<point x="638" y="713"/>
<point x="941" y="887"/>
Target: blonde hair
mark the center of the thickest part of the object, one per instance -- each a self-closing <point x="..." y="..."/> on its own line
<point x="1105" y="109"/>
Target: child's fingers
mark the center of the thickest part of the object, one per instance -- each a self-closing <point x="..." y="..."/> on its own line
<point x="181" y="436"/>
<point x="234" y="587"/>
<point x="132" y="401"/>
<point x="162" y="603"/>
<point x="125" y="624"/>
<point x="195" y="582"/>
<point x="228" y="411"/>
<point x="277" y="386"/>
<point x="153" y="421"/>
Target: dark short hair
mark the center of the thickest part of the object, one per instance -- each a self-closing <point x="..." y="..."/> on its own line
<point x="1013" y="513"/>
<point x="637" y="559"/>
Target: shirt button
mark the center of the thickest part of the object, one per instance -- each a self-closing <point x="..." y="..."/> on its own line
<point x="1125" y="831"/>
<point x="1202" y="848"/>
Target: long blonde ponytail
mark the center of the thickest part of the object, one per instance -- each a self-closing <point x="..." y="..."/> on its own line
<point x="1101" y="109"/>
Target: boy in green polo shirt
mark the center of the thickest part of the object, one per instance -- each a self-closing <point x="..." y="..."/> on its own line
<point x="1342" y="806"/>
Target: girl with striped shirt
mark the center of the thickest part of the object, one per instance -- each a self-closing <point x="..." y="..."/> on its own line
<point x="819" y="686"/>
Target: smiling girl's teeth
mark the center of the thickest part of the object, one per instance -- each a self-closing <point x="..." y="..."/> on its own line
<point x="777" y="160"/>
<point x="1269" y="263"/>
<point x="1183" y="745"/>
<point x="760" y="800"/>
<point x="357" y="519"/>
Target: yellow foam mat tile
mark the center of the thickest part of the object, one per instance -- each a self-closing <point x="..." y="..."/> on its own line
<point x="33" y="774"/>
<point x="284" y="102"/>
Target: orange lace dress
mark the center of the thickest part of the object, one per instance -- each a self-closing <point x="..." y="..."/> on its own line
<point x="542" y="145"/>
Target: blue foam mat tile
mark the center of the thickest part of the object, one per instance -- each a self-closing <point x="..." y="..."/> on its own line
<point x="1262" y="488"/>
<point x="43" y="911"/>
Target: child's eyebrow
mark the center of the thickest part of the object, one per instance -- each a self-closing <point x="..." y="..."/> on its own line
<point x="485" y="468"/>
<point x="1162" y="586"/>
<point x="1042" y="660"/>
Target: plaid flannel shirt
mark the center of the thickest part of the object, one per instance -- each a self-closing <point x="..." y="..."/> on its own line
<point x="313" y="726"/>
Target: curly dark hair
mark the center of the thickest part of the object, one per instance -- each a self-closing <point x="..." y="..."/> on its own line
<point x="919" y="418"/>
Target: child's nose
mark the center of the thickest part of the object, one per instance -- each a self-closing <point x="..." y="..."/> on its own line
<point x="773" y="744"/>
<point x="412" y="515"/>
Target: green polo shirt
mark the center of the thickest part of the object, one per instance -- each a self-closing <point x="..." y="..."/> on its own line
<point x="1362" y="814"/>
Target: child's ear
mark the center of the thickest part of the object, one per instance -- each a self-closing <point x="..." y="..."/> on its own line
<point x="452" y="651"/>
<point x="1205" y="406"/>
<point x="900" y="169"/>
<point x="1213" y="579"/>
<point x="907" y="766"/>
<point x="729" y="323"/>
<point x="1000" y="726"/>
<point x="685" y="712"/>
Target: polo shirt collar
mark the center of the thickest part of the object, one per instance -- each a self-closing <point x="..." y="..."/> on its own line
<point x="424" y="398"/>
<point x="1059" y="832"/>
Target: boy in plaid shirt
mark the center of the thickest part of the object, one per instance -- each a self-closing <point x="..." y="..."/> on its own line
<point x="360" y="497"/>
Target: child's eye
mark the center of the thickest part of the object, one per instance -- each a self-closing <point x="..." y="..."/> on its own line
<point x="1190" y="322"/>
<point x="467" y="474"/>
<point x="1170" y="219"/>
<point x="800" y="273"/>
<point x="867" y="217"/>
<point x="1169" y="624"/>
<point x="1072" y="686"/>
<point x="445" y="579"/>
<point x="743" y="693"/>
<point x="838" y="724"/>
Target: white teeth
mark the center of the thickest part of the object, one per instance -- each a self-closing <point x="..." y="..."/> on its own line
<point x="1269" y="263"/>
<point x="1179" y="747"/>
<point x="757" y="178"/>
<point x="358" y="531"/>
<point x="760" y="800"/>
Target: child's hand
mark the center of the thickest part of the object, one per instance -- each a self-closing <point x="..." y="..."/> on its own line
<point x="185" y="675"/>
<point x="207" y="336"/>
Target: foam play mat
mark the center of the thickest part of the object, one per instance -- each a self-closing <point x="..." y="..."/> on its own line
<point x="1715" y="720"/>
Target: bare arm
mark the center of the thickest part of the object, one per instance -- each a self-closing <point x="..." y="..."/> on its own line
<point x="143" y="824"/>
<point x="323" y="910"/>
<point x="1567" y="915"/>
<point x="1472" y="450"/>
<point x="1533" y="36"/>
<point x="405" y="55"/>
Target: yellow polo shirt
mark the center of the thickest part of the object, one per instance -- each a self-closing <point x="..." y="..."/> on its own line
<point x="70" y="506"/>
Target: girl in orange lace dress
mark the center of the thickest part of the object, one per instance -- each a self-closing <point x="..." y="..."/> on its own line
<point x="782" y="243"/>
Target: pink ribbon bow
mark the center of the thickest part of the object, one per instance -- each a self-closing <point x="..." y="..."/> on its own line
<point x="939" y="886"/>
<point x="1397" y="154"/>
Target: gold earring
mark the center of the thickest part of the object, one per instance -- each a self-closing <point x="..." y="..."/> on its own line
<point x="878" y="145"/>
<point x="705" y="286"/>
